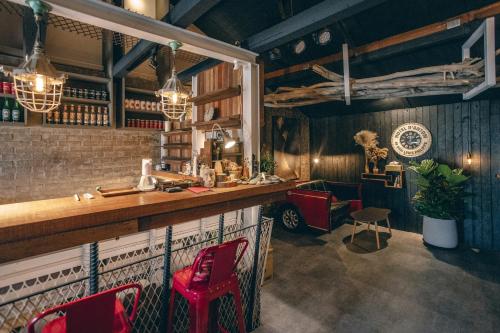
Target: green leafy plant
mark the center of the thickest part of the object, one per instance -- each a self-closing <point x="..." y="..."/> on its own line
<point x="441" y="190"/>
<point x="267" y="163"/>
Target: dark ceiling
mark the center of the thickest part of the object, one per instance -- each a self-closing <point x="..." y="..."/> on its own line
<point x="236" y="20"/>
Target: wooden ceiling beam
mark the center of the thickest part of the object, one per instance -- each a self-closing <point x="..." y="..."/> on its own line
<point x="307" y="21"/>
<point x="182" y="15"/>
<point x="405" y="37"/>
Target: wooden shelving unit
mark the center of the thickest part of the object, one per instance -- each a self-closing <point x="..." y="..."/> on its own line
<point x="77" y="80"/>
<point x="157" y="113"/>
<point x="216" y="95"/>
<point x="392" y="178"/>
<point x="227" y="123"/>
<point x="77" y="100"/>
<point x="28" y="118"/>
<point x="176" y="146"/>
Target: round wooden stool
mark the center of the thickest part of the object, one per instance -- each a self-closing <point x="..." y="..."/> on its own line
<point x="371" y="215"/>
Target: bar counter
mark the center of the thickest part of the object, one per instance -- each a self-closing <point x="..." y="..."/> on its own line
<point x="37" y="227"/>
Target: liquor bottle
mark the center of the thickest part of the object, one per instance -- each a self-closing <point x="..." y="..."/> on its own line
<point x="99" y="116"/>
<point x="86" y="116"/>
<point x="57" y="113"/>
<point x="72" y="115"/>
<point x="16" y="113"/>
<point x="50" y="117"/>
<point x="65" y="115"/>
<point x="6" y="111"/>
<point x="105" y="117"/>
<point x="79" y="115"/>
<point x="93" y="118"/>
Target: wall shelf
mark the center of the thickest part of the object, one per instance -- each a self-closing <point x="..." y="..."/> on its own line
<point x="76" y="126"/>
<point x="84" y="100"/>
<point x="216" y="95"/>
<point x="223" y="122"/>
<point x="141" y="129"/>
<point x="156" y="113"/>
<point x="177" y="132"/>
<point x="2" y="95"/>
<point x="12" y="124"/>
<point x="140" y="91"/>
<point x="176" y="145"/>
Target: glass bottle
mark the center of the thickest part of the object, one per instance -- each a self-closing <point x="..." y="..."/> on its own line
<point x="50" y="117"/>
<point x="16" y="113"/>
<point x="57" y="113"/>
<point x="65" y="115"/>
<point x="79" y="115"/>
<point x="105" y="117"/>
<point x="72" y="115"/>
<point x="99" y="116"/>
<point x="6" y="111"/>
<point x="86" y="116"/>
<point x="93" y="118"/>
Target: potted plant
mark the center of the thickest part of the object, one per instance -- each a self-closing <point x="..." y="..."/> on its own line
<point x="267" y="163"/>
<point x="440" y="199"/>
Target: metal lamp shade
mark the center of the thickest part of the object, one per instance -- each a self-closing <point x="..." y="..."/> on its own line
<point x="174" y="98"/>
<point x="37" y="84"/>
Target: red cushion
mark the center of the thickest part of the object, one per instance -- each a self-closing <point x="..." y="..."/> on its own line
<point x="121" y="323"/>
<point x="334" y="198"/>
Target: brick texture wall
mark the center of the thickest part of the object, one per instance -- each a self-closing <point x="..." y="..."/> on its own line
<point x="41" y="163"/>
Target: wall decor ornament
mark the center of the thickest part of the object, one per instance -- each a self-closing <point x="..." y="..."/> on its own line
<point x="369" y="141"/>
<point x="411" y="140"/>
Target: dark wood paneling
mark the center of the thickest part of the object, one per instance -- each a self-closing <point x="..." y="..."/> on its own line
<point x="342" y="160"/>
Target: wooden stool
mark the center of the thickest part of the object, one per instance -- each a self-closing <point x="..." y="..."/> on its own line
<point x="371" y="215"/>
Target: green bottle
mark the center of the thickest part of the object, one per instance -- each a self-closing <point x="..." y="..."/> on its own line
<point x="16" y="112"/>
<point x="6" y="111"/>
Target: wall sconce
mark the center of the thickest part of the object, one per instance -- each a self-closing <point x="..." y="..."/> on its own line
<point x="228" y="141"/>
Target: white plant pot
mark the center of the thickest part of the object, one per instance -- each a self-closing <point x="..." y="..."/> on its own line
<point x="441" y="233"/>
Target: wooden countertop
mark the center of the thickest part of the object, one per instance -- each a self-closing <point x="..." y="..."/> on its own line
<point x="36" y="227"/>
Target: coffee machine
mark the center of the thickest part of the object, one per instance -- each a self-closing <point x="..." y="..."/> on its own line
<point x="147" y="182"/>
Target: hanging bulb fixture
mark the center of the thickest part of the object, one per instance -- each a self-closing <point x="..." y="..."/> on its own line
<point x="174" y="97"/>
<point x="469" y="158"/>
<point x="38" y="85"/>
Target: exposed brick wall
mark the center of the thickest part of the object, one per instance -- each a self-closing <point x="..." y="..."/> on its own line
<point x="40" y="163"/>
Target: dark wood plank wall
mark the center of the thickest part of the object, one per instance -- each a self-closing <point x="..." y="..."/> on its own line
<point x="341" y="160"/>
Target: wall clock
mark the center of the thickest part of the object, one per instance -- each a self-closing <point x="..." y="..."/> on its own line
<point x="411" y="140"/>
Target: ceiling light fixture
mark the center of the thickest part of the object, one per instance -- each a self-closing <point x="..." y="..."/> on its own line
<point x="323" y="37"/>
<point x="38" y="85"/>
<point x="275" y="54"/>
<point x="174" y="97"/>
<point x="299" y="46"/>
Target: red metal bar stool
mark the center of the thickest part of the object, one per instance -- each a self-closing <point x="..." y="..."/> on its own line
<point x="211" y="276"/>
<point x="99" y="313"/>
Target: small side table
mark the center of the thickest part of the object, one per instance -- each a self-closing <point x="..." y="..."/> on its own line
<point x="371" y="215"/>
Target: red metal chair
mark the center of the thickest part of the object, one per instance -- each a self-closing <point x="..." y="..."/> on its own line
<point x="99" y="313"/>
<point x="211" y="276"/>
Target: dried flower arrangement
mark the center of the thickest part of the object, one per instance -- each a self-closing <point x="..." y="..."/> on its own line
<point x="369" y="141"/>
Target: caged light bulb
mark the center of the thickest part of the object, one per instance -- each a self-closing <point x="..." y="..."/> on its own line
<point x="39" y="83"/>
<point x="174" y="98"/>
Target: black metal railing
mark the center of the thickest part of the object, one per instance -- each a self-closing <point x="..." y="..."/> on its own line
<point x="152" y="266"/>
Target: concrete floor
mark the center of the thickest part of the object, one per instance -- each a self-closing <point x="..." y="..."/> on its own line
<point x="322" y="283"/>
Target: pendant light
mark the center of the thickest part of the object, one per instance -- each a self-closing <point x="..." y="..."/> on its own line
<point x="37" y="83"/>
<point x="174" y="97"/>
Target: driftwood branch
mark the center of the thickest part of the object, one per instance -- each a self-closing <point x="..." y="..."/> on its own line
<point x="434" y="80"/>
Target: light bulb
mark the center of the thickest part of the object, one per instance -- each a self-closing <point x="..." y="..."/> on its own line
<point x="39" y="83"/>
<point x="174" y="98"/>
<point x="316" y="160"/>
<point x="469" y="158"/>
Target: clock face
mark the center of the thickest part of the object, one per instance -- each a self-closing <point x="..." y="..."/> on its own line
<point x="411" y="140"/>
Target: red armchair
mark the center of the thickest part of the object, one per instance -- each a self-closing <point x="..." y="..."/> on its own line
<point x="319" y="204"/>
